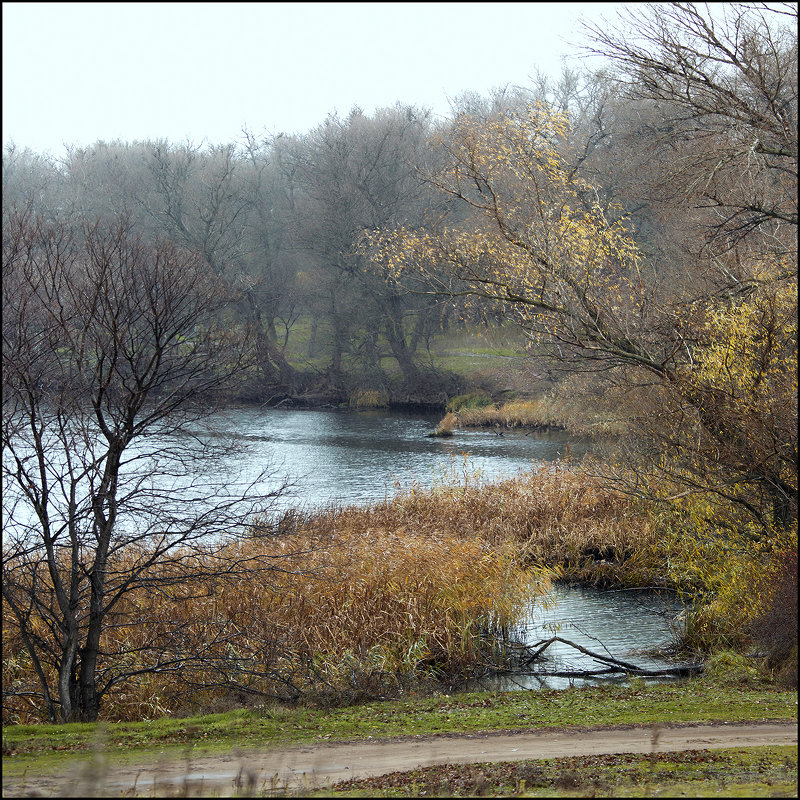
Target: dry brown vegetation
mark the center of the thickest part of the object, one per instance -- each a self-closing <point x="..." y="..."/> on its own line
<point x="555" y="409"/>
<point x="554" y="517"/>
<point x="357" y="602"/>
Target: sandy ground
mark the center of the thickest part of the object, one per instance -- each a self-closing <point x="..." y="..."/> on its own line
<point x="320" y="765"/>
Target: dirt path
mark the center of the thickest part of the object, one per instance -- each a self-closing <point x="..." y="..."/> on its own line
<point x="319" y="765"/>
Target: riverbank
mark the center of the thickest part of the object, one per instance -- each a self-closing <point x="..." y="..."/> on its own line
<point x="42" y="750"/>
<point x="325" y="617"/>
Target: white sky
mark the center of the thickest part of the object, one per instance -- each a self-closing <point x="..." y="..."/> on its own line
<point x="74" y="73"/>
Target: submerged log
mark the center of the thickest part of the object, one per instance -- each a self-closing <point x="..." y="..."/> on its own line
<point x="615" y="665"/>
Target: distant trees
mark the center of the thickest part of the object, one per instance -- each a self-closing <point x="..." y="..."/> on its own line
<point x="354" y="175"/>
<point x="281" y="219"/>
<point x="216" y="200"/>
<point x="111" y="348"/>
<point x="29" y="180"/>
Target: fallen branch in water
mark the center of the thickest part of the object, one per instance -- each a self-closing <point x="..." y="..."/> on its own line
<point x="615" y="664"/>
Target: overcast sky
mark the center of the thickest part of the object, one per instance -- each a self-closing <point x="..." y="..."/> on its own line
<point x="74" y="73"/>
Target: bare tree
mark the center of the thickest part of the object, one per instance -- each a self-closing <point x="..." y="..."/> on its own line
<point x="113" y="352"/>
<point x="29" y="179"/>
<point x="356" y="174"/>
<point x="725" y="80"/>
<point x="217" y="200"/>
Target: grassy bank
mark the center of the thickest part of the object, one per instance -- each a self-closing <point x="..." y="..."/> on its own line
<point x="42" y="750"/>
<point x="697" y="700"/>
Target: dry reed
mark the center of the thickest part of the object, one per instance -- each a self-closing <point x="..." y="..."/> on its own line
<point x="549" y="411"/>
<point x="355" y="602"/>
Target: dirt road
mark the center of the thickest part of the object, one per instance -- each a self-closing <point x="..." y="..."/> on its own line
<point x="319" y="765"/>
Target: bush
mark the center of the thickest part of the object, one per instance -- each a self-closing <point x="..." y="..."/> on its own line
<point x="369" y="398"/>
<point x="472" y="400"/>
<point x="732" y="669"/>
<point x="775" y="628"/>
<point x="737" y="578"/>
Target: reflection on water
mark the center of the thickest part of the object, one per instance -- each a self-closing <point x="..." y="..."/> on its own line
<point x="329" y="457"/>
<point x="615" y="623"/>
<point x="346" y="457"/>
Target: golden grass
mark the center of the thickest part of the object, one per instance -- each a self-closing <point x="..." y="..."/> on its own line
<point x="550" y="410"/>
<point x="447" y="425"/>
<point x="352" y="605"/>
<point x="539" y="413"/>
<point x="361" y="602"/>
<point x="369" y="398"/>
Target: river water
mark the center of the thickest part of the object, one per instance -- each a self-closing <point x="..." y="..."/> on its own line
<point x="345" y="457"/>
<point x="627" y="625"/>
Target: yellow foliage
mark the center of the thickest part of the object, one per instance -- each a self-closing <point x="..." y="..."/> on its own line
<point x="540" y="238"/>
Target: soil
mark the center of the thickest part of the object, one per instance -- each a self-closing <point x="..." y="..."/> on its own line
<point x="320" y="765"/>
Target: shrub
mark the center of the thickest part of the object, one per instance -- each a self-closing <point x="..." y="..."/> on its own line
<point x="775" y="627"/>
<point x="472" y="400"/>
<point x="731" y="668"/>
<point x="369" y="398"/>
<point x="740" y="579"/>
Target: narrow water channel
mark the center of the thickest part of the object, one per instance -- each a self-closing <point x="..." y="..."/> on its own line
<point x="625" y="625"/>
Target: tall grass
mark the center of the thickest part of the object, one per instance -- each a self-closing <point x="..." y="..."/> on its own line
<point x="351" y="603"/>
<point x="342" y="605"/>
<point x="548" y="411"/>
<point x="540" y="413"/>
<point x="354" y="602"/>
<point x="447" y="425"/>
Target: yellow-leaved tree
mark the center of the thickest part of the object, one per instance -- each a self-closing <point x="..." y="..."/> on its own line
<point x="709" y="375"/>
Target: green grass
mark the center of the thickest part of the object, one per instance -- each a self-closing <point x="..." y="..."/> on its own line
<point x="460" y="352"/>
<point x="42" y="746"/>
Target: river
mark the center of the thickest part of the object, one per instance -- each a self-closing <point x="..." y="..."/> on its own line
<point x="627" y="625"/>
<point x="342" y="457"/>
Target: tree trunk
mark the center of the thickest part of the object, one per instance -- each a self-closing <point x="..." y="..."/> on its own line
<point x="66" y="676"/>
<point x="89" y="698"/>
<point x="397" y="342"/>
<point x="311" y="349"/>
<point x="273" y="366"/>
